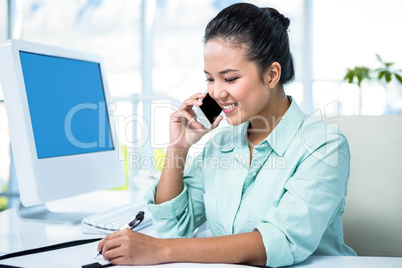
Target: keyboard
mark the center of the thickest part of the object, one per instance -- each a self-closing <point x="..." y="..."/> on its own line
<point x="113" y="220"/>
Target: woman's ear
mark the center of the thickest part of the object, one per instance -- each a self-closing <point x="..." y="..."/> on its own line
<point x="273" y="75"/>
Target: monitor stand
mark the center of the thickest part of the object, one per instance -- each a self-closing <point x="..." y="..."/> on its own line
<point x="40" y="213"/>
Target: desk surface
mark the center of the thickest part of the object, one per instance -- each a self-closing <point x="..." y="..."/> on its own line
<point x="17" y="235"/>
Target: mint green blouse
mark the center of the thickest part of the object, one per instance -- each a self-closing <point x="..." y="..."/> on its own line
<point x="293" y="192"/>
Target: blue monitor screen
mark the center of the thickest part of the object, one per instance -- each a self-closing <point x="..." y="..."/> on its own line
<point x="67" y="105"/>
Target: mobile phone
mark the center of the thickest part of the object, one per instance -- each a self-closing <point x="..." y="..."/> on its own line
<point x="208" y="111"/>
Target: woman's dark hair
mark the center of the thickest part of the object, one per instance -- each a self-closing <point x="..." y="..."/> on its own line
<point x="264" y="31"/>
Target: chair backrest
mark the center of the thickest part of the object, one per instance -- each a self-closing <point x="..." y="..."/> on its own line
<point x="373" y="212"/>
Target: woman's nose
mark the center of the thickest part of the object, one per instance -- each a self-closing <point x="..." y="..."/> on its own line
<point x="219" y="92"/>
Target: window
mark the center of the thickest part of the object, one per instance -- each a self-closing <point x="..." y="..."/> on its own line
<point x="349" y="34"/>
<point x="110" y="28"/>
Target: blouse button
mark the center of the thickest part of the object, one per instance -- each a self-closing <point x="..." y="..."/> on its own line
<point x="254" y="173"/>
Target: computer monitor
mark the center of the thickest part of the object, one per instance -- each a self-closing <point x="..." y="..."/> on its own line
<point x="62" y="132"/>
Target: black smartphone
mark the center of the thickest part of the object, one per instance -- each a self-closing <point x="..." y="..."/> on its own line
<point x="208" y="111"/>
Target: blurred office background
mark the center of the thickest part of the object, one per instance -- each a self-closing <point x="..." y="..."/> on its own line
<point x="153" y="53"/>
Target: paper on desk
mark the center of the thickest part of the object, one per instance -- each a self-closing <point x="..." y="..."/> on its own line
<point x="62" y="258"/>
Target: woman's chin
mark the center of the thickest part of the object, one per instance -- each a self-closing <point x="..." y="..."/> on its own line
<point x="233" y="122"/>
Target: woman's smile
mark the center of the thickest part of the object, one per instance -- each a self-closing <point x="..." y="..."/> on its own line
<point x="228" y="108"/>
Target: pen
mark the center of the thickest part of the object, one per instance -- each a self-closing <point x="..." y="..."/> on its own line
<point x="130" y="225"/>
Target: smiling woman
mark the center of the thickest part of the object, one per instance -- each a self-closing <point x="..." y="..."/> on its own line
<point x="240" y="90"/>
<point x="259" y="213"/>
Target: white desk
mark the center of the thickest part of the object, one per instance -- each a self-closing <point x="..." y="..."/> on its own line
<point x="16" y="235"/>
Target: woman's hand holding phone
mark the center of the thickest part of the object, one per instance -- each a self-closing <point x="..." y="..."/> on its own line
<point x="184" y="128"/>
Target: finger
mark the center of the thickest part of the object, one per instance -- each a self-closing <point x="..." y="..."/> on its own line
<point x="192" y="113"/>
<point x="113" y="254"/>
<point x="190" y="102"/>
<point x="216" y="122"/>
<point x="119" y="261"/>
<point x="194" y="124"/>
<point x="180" y="114"/>
<point x="114" y="235"/>
<point x="111" y="245"/>
<point x="123" y="260"/>
<point x="198" y="96"/>
<point x="101" y="243"/>
<point x="108" y="237"/>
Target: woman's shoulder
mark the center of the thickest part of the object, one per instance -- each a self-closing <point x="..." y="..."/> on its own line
<point x="315" y="130"/>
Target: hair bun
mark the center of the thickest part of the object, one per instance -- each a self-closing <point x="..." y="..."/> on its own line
<point x="272" y="12"/>
<point x="286" y="22"/>
<point x="263" y="32"/>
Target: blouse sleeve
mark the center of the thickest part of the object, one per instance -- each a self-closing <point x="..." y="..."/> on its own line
<point x="313" y="196"/>
<point x="180" y="216"/>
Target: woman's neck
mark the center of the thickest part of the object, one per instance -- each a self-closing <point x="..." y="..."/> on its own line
<point x="264" y="123"/>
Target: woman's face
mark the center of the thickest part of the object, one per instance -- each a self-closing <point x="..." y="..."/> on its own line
<point x="234" y="82"/>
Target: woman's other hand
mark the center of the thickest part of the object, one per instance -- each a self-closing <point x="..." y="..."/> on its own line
<point x="128" y="247"/>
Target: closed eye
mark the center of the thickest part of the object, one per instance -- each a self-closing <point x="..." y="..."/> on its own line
<point x="209" y="80"/>
<point x="230" y="80"/>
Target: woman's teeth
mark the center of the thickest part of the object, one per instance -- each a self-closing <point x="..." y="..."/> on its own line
<point x="227" y="107"/>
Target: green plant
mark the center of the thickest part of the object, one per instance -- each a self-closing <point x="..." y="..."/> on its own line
<point x="386" y="72"/>
<point x="360" y="73"/>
